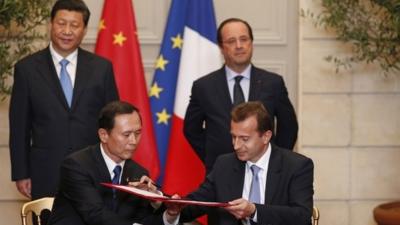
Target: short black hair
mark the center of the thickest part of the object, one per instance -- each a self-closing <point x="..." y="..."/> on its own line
<point x="111" y="110"/>
<point x="232" y="20"/>
<point x="71" y="5"/>
<point x="253" y="108"/>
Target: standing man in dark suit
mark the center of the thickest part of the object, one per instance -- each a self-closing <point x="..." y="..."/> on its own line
<point x="262" y="183"/>
<point x="207" y="118"/>
<point x="56" y="98"/>
<point x="82" y="200"/>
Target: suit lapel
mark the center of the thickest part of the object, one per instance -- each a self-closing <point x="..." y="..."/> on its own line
<point x="48" y="72"/>
<point x="221" y="86"/>
<point x="274" y="174"/>
<point x="237" y="178"/>
<point x="255" y="84"/>
<point x="83" y="74"/>
<point x="103" y="172"/>
<point x="103" y="177"/>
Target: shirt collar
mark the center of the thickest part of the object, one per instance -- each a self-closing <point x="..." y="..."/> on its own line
<point x="72" y="58"/>
<point x="109" y="162"/>
<point x="263" y="161"/>
<point x="232" y="74"/>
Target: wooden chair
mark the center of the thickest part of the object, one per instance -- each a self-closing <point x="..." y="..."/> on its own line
<point x="315" y="216"/>
<point x="36" y="207"/>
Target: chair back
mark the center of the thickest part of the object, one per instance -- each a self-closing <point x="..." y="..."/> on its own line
<point x="315" y="216"/>
<point x="36" y="207"/>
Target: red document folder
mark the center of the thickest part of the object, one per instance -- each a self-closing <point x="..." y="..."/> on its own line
<point x="156" y="197"/>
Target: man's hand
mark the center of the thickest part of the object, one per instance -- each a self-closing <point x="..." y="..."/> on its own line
<point x="145" y="183"/>
<point x="24" y="187"/>
<point x="241" y="208"/>
<point x="173" y="210"/>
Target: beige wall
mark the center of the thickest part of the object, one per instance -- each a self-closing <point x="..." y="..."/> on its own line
<point x="350" y="127"/>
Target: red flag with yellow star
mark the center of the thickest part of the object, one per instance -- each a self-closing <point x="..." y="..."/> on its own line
<point x="118" y="41"/>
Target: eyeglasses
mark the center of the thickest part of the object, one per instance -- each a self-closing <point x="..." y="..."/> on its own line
<point x="242" y="40"/>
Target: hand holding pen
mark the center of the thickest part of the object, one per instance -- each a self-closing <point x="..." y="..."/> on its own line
<point x="144" y="183"/>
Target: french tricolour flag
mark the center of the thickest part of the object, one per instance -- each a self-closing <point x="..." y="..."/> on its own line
<point x="189" y="51"/>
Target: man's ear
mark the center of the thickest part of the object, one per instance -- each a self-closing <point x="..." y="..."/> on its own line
<point x="103" y="135"/>
<point x="85" y="31"/>
<point x="49" y="27"/>
<point x="267" y="135"/>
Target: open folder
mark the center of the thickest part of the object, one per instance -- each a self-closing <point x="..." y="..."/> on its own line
<point x="156" y="197"/>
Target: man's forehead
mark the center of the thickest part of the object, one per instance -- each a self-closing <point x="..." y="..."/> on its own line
<point x="248" y="124"/>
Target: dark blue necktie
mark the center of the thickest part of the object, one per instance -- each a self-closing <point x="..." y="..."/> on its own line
<point x="115" y="180"/>
<point x="117" y="173"/>
<point x="65" y="81"/>
<point x="238" y="96"/>
<point x="254" y="195"/>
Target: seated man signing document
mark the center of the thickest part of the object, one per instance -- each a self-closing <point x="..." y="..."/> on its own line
<point x="262" y="183"/>
<point x="82" y="199"/>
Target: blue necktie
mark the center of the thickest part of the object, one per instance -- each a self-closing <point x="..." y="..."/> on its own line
<point x="117" y="173"/>
<point x="254" y="195"/>
<point x="65" y="81"/>
<point x="115" y="180"/>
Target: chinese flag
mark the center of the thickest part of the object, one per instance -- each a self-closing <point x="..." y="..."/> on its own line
<point x="118" y="41"/>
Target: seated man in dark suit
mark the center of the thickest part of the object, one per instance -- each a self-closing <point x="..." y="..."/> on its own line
<point x="81" y="199"/>
<point x="279" y="192"/>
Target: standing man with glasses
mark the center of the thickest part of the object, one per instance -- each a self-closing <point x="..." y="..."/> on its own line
<point x="57" y="94"/>
<point x="207" y="118"/>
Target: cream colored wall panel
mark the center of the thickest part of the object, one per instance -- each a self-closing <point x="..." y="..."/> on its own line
<point x="375" y="173"/>
<point x="318" y="75"/>
<point x="8" y="190"/>
<point x="333" y="212"/>
<point x="95" y="7"/>
<point x="150" y="19"/>
<point x="10" y="212"/>
<point x="268" y="18"/>
<point x="326" y="120"/>
<point x="376" y="120"/>
<point x="331" y="177"/>
<point x="4" y="127"/>
<point x="274" y="58"/>
<point x="361" y="212"/>
<point x="370" y="78"/>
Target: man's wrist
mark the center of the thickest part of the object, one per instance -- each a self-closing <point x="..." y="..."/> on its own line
<point x="254" y="211"/>
<point x="171" y="214"/>
<point x="171" y="218"/>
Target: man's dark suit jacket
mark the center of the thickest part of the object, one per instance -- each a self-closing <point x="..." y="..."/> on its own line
<point x="288" y="192"/>
<point x="43" y="129"/>
<point x="81" y="199"/>
<point x="211" y="103"/>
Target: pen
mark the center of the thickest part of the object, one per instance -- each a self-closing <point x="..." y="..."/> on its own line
<point x="146" y="182"/>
